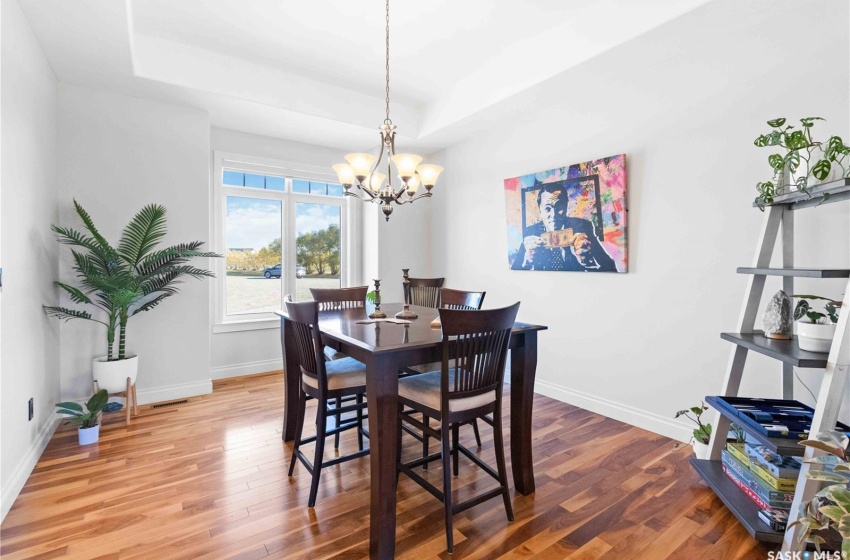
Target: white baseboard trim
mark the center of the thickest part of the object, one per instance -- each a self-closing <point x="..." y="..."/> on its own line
<point x="238" y="370"/>
<point x="13" y="487"/>
<point x="175" y="392"/>
<point x="624" y="413"/>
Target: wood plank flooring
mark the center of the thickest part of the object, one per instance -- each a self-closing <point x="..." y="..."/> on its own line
<point x="207" y="480"/>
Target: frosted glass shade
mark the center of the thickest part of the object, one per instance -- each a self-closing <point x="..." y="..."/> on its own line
<point x="412" y="184"/>
<point x="375" y="181"/>
<point x="406" y="164"/>
<point x="429" y="174"/>
<point x="344" y="173"/>
<point x="361" y="164"/>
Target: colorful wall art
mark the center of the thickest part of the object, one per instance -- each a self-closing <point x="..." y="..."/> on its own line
<point x="571" y="218"/>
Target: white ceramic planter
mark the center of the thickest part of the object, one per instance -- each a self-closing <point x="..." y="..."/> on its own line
<point x="700" y="449"/>
<point x="803" y="170"/>
<point x="815" y="337"/>
<point x="113" y="375"/>
<point x="88" y="436"/>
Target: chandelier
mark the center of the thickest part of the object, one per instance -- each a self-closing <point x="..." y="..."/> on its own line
<point x="361" y="171"/>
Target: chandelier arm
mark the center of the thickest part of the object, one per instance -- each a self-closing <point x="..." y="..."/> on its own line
<point x="420" y="195"/>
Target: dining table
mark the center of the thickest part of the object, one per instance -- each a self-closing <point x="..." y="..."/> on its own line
<point x="386" y="348"/>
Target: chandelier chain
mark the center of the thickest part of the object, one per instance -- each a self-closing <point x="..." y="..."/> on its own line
<point x="388" y="120"/>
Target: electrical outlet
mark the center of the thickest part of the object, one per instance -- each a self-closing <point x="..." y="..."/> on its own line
<point x="31" y="409"/>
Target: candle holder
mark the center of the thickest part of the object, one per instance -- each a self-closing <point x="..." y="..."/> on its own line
<point x="377" y="314"/>
<point x="406" y="313"/>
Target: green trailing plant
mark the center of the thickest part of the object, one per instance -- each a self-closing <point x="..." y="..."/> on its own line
<point x="800" y="149"/>
<point x="85" y="418"/>
<point x="804" y="309"/>
<point x="702" y="432"/>
<point x="124" y="280"/>
<point x="831" y="506"/>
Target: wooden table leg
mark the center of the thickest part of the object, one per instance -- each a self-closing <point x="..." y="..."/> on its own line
<point x="290" y="380"/>
<point x="523" y="371"/>
<point x="382" y="397"/>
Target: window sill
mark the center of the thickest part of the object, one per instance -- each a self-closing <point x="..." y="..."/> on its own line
<point x="250" y="325"/>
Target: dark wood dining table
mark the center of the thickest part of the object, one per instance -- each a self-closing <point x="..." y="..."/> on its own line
<point x="385" y="348"/>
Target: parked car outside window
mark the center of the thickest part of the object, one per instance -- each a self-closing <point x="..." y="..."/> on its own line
<point x="300" y="271"/>
<point x="272" y="272"/>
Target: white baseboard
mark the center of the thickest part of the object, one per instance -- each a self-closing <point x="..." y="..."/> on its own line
<point x="624" y="413"/>
<point x="175" y="392"/>
<point x="25" y="467"/>
<point x="238" y="370"/>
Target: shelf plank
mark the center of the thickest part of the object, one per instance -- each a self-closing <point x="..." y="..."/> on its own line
<point x="838" y="190"/>
<point x="741" y="506"/>
<point x="787" y="351"/>
<point x="782" y="446"/>
<point x="798" y="272"/>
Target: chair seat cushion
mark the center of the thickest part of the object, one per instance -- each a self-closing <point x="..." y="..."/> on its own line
<point x="425" y="389"/>
<point x="342" y="374"/>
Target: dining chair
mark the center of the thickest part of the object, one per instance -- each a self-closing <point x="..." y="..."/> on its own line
<point x="452" y="299"/>
<point x="468" y="385"/>
<point x="339" y="298"/>
<point x="424" y="292"/>
<point x="324" y="381"/>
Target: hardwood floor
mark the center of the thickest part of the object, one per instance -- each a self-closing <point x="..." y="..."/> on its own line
<point x="207" y="480"/>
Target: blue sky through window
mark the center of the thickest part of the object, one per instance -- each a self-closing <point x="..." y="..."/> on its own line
<point x="253" y="223"/>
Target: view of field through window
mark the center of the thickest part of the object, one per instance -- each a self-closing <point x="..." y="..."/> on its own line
<point x="256" y="258"/>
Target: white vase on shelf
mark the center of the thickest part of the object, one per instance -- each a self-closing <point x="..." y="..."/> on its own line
<point x="815" y="337"/>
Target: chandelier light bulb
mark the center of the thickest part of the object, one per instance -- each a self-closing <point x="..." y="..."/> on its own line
<point x="429" y="174"/>
<point x="411" y="184"/>
<point x="361" y="164"/>
<point x="375" y="181"/>
<point x="406" y="164"/>
<point x="345" y="174"/>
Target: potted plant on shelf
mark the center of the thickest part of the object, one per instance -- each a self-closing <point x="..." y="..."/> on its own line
<point x="831" y="506"/>
<point x="122" y="281"/>
<point x="88" y="430"/>
<point x="804" y="159"/>
<point x="702" y="433"/>
<point x="815" y="330"/>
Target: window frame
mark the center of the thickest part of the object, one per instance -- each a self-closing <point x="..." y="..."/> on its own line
<point x="350" y="230"/>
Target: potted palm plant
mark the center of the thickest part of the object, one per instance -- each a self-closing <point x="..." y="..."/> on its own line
<point x="88" y="430"/>
<point x="122" y="281"/>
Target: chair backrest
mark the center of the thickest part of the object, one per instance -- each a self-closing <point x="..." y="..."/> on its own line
<point x="425" y="292"/>
<point x="459" y="299"/>
<point x="475" y="343"/>
<point x="304" y="317"/>
<point x="340" y="298"/>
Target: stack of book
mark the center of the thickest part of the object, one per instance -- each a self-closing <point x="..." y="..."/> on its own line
<point x="765" y="477"/>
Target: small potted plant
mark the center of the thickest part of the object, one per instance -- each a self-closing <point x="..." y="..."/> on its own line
<point x="815" y="330"/>
<point x="702" y="433"/>
<point x="88" y="430"/>
<point x="831" y="506"/>
<point x="803" y="161"/>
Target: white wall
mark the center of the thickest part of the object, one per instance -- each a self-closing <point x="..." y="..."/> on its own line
<point x="28" y="254"/>
<point x="684" y="105"/>
<point x="118" y="154"/>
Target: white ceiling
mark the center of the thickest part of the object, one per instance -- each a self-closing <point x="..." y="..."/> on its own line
<point x="313" y="71"/>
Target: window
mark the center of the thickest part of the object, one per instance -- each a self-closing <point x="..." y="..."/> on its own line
<point x="283" y="229"/>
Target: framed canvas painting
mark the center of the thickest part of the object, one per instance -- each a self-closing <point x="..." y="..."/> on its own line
<point x="571" y="218"/>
